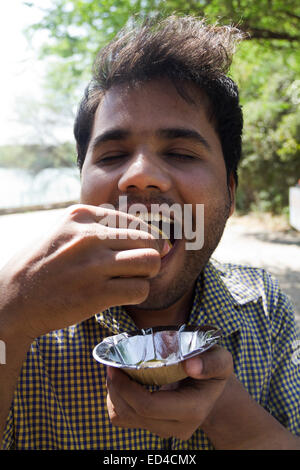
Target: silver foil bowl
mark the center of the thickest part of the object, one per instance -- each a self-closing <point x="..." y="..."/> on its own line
<point x="154" y="356"/>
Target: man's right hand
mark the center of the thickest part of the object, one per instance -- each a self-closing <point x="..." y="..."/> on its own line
<point x="81" y="268"/>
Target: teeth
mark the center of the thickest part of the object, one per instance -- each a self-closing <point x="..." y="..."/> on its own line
<point x="156" y="217"/>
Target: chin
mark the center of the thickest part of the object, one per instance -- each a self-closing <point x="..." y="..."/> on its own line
<point x="163" y="295"/>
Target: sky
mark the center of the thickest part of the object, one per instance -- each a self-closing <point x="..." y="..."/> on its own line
<point x="21" y="72"/>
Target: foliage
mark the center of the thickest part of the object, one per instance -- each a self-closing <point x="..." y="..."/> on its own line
<point x="270" y="93"/>
<point x="266" y="68"/>
<point x="37" y="157"/>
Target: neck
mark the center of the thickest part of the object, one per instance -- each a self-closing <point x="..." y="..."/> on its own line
<point x="175" y="315"/>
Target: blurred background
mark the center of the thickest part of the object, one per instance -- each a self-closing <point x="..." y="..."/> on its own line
<point x="47" y="49"/>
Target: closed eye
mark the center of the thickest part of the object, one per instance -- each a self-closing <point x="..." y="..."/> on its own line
<point x="114" y="158"/>
<point x="181" y="156"/>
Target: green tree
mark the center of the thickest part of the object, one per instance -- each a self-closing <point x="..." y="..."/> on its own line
<point x="266" y="68"/>
<point x="37" y="157"/>
<point x="270" y="94"/>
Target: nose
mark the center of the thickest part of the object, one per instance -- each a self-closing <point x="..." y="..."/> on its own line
<point x="145" y="171"/>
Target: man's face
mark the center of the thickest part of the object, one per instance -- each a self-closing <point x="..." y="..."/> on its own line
<point x="162" y="150"/>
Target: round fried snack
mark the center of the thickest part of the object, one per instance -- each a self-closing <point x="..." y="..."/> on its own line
<point x="164" y="243"/>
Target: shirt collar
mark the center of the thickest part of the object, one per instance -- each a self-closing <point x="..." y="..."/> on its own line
<point x="215" y="304"/>
<point x="117" y="320"/>
<point x="217" y="298"/>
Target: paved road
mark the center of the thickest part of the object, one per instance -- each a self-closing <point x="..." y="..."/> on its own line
<point x="252" y="242"/>
<point x="246" y="240"/>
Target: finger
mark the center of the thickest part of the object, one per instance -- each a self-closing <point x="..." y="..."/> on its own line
<point x="108" y="224"/>
<point x="122" y="414"/>
<point x="118" y="409"/>
<point x="214" y="364"/>
<point x="160" y="405"/>
<point x="190" y="401"/>
<point x="129" y="291"/>
<point x="130" y="226"/>
<point x="109" y="264"/>
<point x="109" y="217"/>
<point x="126" y="413"/>
<point x="117" y="239"/>
<point x="119" y="219"/>
<point x="135" y="263"/>
<point x="126" y="239"/>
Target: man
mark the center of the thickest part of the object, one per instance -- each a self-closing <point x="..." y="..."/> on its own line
<point x="160" y="123"/>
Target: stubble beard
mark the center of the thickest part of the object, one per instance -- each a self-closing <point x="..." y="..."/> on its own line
<point x="162" y="297"/>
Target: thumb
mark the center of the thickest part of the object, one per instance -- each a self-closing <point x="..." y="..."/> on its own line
<point x="193" y="367"/>
<point x="216" y="363"/>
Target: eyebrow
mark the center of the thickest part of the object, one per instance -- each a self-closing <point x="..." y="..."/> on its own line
<point x="183" y="133"/>
<point x="110" y="135"/>
<point x="167" y="134"/>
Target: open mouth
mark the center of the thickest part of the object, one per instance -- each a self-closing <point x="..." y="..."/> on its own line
<point x="161" y="227"/>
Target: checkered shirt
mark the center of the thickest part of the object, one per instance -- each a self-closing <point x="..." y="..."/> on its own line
<point x="60" y="399"/>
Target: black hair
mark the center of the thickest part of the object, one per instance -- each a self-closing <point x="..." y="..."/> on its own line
<point x="182" y="49"/>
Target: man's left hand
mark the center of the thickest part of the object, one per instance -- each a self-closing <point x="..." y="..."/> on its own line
<point x="170" y="412"/>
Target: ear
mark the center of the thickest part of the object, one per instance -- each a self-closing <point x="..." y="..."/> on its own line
<point x="232" y="190"/>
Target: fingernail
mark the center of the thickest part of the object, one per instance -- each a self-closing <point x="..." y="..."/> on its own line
<point x="194" y="367"/>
